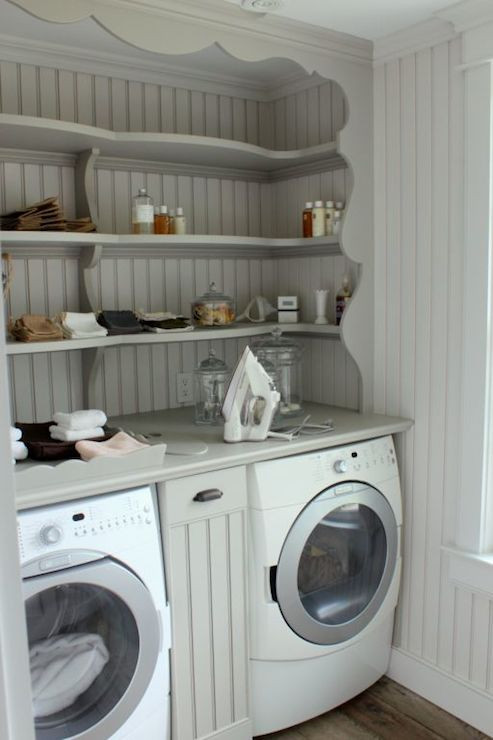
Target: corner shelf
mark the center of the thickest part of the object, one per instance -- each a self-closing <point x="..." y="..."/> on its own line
<point x="237" y="331"/>
<point x="187" y="245"/>
<point x="51" y="135"/>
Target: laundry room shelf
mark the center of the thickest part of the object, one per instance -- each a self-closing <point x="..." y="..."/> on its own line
<point x="73" y="476"/>
<point x="49" y="135"/>
<point x="237" y="331"/>
<point x="187" y="245"/>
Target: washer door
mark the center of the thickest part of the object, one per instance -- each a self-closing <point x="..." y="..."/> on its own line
<point x="337" y="563"/>
<point x="94" y="640"/>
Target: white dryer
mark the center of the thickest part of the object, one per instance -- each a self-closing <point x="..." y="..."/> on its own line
<point x="97" y="618"/>
<point x="325" y="550"/>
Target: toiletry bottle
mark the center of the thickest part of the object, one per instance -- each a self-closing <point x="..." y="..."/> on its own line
<point x="318" y="219"/>
<point x="307" y="220"/>
<point x="342" y="297"/>
<point x="172" y="215"/>
<point x="161" y="220"/>
<point x="329" y="217"/>
<point x="339" y="205"/>
<point x="142" y="213"/>
<point x="180" y="222"/>
<point x="336" y="223"/>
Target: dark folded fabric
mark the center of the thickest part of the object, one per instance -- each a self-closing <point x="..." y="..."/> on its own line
<point x="120" y="322"/>
<point x="179" y="323"/>
<point x="41" y="446"/>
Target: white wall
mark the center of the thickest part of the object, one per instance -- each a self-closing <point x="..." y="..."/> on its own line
<point x="419" y="152"/>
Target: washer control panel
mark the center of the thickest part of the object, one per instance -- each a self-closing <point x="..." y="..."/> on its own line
<point x="87" y="523"/>
<point x="376" y="455"/>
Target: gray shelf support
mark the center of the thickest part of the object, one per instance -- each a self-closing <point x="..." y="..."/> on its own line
<point x="85" y="185"/>
<point x="89" y="258"/>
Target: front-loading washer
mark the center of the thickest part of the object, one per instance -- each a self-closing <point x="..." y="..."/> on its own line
<point x="97" y="617"/>
<point x="324" y="578"/>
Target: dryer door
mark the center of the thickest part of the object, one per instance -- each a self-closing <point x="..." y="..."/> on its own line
<point x="94" y="639"/>
<point x="337" y="563"/>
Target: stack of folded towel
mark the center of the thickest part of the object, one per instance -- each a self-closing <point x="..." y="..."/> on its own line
<point x="161" y="322"/>
<point x="35" y="328"/>
<point x="80" y="325"/>
<point x="78" y="425"/>
<point x="120" y="322"/>
<point x="19" y="449"/>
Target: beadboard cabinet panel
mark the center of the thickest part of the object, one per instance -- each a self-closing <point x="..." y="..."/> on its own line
<point x="419" y="291"/>
<point x="127" y="105"/>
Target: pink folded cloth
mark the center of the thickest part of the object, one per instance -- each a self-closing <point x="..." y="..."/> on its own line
<point x="118" y="446"/>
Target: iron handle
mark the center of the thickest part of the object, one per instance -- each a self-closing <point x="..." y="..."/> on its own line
<point x="210" y="494"/>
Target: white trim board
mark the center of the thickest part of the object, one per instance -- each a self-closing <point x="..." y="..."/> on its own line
<point x="448" y="692"/>
<point x="412" y="39"/>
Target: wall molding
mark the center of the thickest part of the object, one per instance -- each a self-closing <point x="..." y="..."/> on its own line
<point x="412" y="39"/>
<point x="470" y="570"/>
<point x="468" y="14"/>
<point x="470" y="704"/>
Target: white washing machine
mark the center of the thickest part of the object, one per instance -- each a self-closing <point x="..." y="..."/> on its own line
<point x="97" y="618"/>
<point x="325" y="574"/>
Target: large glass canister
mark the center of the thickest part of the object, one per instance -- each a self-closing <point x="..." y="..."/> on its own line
<point x="211" y="382"/>
<point x="281" y="358"/>
<point x="213" y="308"/>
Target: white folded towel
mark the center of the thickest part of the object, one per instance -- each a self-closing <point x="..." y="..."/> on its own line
<point x="62" y="668"/>
<point x="81" y="326"/>
<point x="19" y="450"/>
<point x="74" y="435"/>
<point x="15" y="434"/>
<point x="81" y="419"/>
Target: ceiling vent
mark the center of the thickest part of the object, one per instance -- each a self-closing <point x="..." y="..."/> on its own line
<point x="262" y="6"/>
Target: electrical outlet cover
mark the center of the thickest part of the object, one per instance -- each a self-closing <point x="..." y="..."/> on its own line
<point x="184" y="387"/>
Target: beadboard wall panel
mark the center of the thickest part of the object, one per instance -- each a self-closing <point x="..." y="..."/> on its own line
<point x="126" y="105"/>
<point x="419" y="150"/>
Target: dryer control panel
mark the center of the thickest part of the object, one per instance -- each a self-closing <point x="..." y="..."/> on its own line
<point x="96" y="523"/>
<point x="375" y="458"/>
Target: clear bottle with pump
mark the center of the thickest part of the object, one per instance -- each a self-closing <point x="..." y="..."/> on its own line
<point x="318" y="219"/>
<point x="342" y="297"/>
<point x="336" y="223"/>
<point x="180" y="222"/>
<point x="142" y="213"/>
<point x="329" y="217"/>
<point x="307" y="220"/>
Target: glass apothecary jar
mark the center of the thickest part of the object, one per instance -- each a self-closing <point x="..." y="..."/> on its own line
<point x="211" y="382"/>
<point x="213" y="308"/>
<point x="281" y="358"/>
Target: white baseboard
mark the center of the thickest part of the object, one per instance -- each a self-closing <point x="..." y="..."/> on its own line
<point x="463" y="700"/>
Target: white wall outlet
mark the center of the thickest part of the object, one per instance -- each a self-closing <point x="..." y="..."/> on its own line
<point x="184" y="387"/>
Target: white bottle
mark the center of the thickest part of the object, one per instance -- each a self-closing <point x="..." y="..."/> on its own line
<point x="339" y="205"/>
<point x="180" y="222"/>
<point x="318" y="219"/>
<point x="142" y="213"/>
<point x="336" y="223"/>
<point x="329" y="217"/>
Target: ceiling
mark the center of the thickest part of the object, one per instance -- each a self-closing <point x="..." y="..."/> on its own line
<point x="370" y="19"/>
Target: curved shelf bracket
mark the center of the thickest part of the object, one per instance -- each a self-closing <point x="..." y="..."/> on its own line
<point x="89" y="258"/>
<point x="85" y="185"/>
<point x="91" y="363"/>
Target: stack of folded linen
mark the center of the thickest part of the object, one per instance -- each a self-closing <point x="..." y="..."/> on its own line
<point x="35" y="328"/>
<point x="19" y="449"/>
<point x="120" y="322"/>
<point x="78" y="425"/>
<point x="80" y="325"/>
<point x="161" y="322"/>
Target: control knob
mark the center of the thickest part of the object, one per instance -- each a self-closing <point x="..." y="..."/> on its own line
<point x="340" y="466"/>
<point x="50" y="534"/>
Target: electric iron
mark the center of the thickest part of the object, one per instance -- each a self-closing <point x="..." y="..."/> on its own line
<point x="250" y="403"/>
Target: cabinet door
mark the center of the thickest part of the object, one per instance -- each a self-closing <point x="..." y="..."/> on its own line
<point x="207" y="584"/>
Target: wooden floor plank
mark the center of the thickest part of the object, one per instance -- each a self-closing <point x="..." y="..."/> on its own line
<point x="385" y="711"/>
<point x="412" y="705"/>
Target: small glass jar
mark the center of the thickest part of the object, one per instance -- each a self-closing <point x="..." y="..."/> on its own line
<point x="281" y="358"/>
<point x="213" y="308"/>
<point x="211" y="382"/>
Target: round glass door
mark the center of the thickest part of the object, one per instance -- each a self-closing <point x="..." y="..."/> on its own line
<point x="93" y="644"/>
<point x="337" y="563"/>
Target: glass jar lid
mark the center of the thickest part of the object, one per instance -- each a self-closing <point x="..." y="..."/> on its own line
<point x="213" y="295"/>
<point x="277" y="348"/>
<point x="212" y="365"/>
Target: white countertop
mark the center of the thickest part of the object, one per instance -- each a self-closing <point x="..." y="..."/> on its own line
<point x="40" y="484"/>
